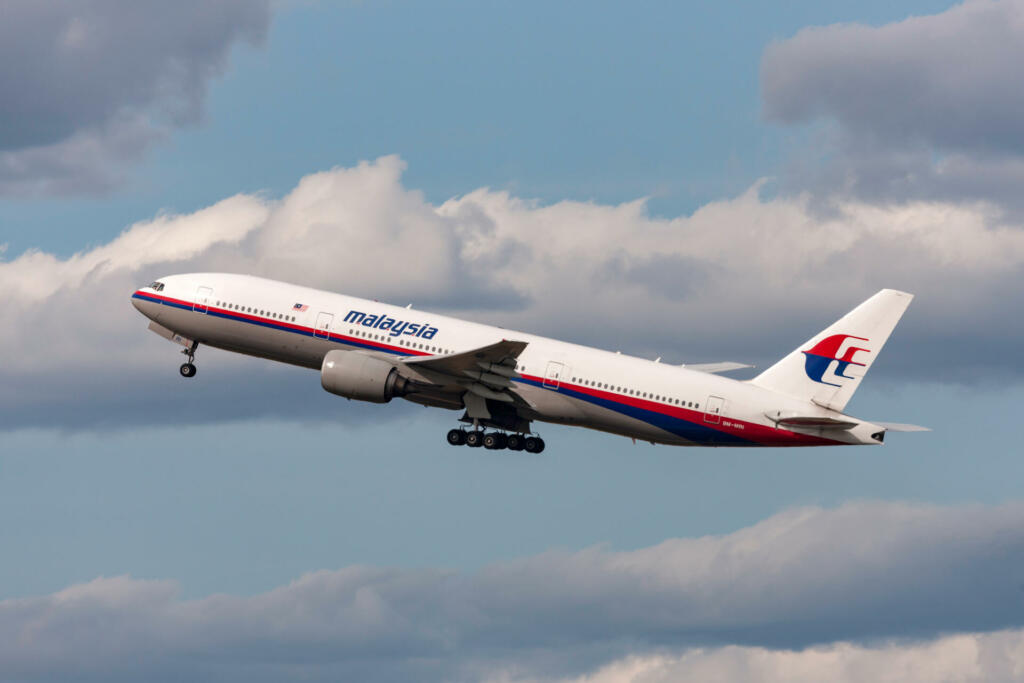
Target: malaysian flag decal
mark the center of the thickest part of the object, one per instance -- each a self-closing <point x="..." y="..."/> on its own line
<point x="299" y="307"/>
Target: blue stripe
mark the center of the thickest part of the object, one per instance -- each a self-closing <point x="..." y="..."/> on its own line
<point x="691" y="431"/>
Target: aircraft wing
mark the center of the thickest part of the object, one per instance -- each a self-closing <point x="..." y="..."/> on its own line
<point x="724" y="366"/>
<point x="486" y="371"/>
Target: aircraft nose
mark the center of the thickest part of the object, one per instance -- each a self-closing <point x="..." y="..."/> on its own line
<point x="147" y="308"/>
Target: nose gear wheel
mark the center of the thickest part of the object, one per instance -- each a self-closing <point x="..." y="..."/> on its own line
<point x="188" y="369"/>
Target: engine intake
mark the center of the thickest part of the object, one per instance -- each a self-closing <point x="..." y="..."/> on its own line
<point x="356" y="375"/>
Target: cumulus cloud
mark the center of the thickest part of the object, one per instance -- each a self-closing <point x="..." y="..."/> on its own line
<point x="89" y="85"/>
<point x="921" y="106"/>
<point x="745" y="278"/>
<point x="780" y="597"/>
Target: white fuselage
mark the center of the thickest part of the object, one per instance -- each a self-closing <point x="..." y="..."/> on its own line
<point x="560" y="382"/>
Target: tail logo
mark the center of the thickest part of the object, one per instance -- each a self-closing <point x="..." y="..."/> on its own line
<point x="819" y="357"/>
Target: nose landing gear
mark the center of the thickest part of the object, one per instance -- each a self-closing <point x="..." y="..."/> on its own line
<point x="188" y="369"/>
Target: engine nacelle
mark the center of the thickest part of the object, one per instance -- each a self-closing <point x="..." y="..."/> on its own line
<point x="356" y="375"/>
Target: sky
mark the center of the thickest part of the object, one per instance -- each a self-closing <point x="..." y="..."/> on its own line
<point x="697" y="182"/>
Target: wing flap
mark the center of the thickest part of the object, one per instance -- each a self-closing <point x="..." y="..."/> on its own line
<point x="486" y="371"/>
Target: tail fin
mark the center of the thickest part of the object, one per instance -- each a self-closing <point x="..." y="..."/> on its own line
<point x="829" y="367"/>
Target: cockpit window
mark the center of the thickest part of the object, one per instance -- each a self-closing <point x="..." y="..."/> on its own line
<point x="157" y="286"/>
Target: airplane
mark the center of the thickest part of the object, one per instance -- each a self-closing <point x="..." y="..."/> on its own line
<point x="503" y="381"/>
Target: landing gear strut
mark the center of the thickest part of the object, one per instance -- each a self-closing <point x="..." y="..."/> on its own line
<point x="188" y="369"/>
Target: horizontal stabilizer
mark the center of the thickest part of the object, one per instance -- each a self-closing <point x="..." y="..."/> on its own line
<point x="897" y="427"/>
<point x="810" y="421"/>
<point x="713" y="368"/>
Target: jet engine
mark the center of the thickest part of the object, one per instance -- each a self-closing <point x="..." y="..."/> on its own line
<point x="356" y="375"/>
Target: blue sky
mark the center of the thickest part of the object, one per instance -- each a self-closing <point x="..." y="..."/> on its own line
<point x="492" y="160"/>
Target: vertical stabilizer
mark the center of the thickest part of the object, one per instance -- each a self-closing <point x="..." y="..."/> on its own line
<point x="828" y="368"/>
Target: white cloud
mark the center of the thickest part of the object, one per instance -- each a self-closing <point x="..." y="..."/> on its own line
<point x="746" y="277"/>
<point x="782" y="599"/>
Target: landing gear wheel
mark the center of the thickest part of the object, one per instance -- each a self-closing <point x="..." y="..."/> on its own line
<point x="494" y="441"/>
<point x="456" y="437"/>
<point x="475" y="439"/>
<point x="515" y="442"/>
<point x="188" y="368"/>
<point x="534" y="444"/>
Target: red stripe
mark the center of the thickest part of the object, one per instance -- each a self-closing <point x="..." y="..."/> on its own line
<point x="280" y="323"/>
<point x="751" y="431"/>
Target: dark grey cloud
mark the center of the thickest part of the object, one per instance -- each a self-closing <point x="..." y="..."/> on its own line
<point x="862" y="572"/>
<point x="928" y="107"/>
<point x="948" y="80"/>
<point x="88" y="85"/>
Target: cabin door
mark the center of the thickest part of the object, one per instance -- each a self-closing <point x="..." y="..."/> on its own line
<point x="713" y="411"/>
<point x="204" y="295"/>
<point x="553" y="376"/>
<point x="323" y="325"/>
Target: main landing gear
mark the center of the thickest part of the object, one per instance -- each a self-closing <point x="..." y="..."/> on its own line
<point x="495" y="441"/>
<point x="188" y="369"/>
